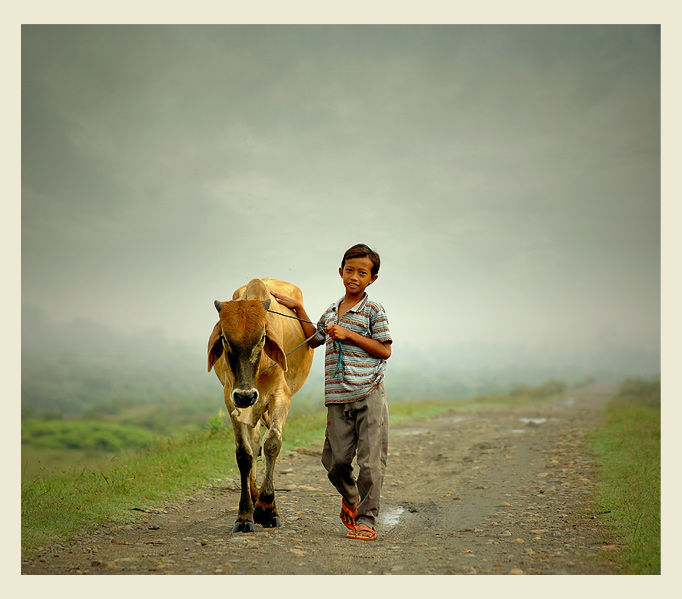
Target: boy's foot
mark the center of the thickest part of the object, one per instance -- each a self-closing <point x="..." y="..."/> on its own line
<point x="349" y="514"/>
<point x="362" y="533"/>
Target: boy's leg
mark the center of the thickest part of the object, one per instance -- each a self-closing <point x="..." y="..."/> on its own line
<point x="338" y="451"/>
<point x="372" y="429"/>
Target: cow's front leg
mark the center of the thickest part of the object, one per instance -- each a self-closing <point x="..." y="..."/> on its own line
<point x="246" y="462"/>
<point x="265" y="512"/>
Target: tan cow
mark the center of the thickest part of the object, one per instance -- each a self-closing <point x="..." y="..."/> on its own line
<point x="244" y="344"/>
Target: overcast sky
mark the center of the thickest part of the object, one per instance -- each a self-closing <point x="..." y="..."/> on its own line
<point x="509" y="176"/>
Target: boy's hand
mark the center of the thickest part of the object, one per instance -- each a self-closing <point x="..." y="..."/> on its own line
<point x="338" y="332"/>
<point x="309" y="328"/>
<point x="286" y="301"/>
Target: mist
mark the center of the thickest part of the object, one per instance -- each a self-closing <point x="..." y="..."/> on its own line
<point x="509" y="177"/>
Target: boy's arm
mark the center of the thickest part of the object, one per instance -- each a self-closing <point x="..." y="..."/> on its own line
<point x="308" y="329"/>
<point x="375" y="347"/>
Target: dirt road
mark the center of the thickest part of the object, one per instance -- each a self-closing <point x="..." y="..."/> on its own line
<point x="494" y="492"/>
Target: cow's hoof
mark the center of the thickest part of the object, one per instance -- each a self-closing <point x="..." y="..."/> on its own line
<point x="266" y="515"/>
<point x="273" y="522"/>
<point x="240" y="526"/>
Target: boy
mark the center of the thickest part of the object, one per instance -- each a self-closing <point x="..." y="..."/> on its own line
<point x="358" y="343"/>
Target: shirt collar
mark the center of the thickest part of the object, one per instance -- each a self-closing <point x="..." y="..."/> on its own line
<point x="356" y="308"/>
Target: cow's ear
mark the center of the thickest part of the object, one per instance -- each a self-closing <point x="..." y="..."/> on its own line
<point x="215" y="346"/>
<point x="274" y="349"/>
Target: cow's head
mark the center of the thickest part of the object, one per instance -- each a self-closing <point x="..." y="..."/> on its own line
<point x="241" y="334"/>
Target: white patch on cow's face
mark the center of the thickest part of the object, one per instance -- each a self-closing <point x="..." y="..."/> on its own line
<point x="257" y="350"/>
<point x="255" y="353"/>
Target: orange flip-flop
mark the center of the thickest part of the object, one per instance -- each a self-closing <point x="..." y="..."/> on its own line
<point x="362" y="533"/>
<point x="349" y="514"/>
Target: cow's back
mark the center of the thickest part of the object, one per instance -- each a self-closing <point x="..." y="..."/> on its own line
<point x="301" y="360"/>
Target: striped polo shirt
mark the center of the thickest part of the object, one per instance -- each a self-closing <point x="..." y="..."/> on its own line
<point x="359" y="372"/>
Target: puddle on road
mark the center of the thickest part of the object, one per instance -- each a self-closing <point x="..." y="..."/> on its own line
<point x="410" y="431"/>
<point x="390" y="517"/>
<point x="423" y="431"/>
<point x="533" y="420"/>
<point x="453" y="419"/>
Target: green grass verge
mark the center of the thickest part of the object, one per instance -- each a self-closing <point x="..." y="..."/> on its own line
<point x="628" y="449"/>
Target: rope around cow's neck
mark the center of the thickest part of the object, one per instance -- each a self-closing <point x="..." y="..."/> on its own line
<point x="291" y="352"/>
<point x="294" y="317"/>
<point x="339" y="366"/>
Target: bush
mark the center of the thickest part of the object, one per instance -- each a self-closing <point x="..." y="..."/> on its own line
<point x="85" y="435"/>
<point x="641" y="393"/>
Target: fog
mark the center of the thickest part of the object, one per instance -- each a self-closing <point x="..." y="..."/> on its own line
<point x="509" y="177"/>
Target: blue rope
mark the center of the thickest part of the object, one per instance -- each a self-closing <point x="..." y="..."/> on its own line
<point x="340" y="365"/>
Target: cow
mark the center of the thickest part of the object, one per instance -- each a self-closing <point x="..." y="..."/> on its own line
<point x="248" y="350"/>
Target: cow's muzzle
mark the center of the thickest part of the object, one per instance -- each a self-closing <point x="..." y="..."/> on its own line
<point x="244" y="398"/>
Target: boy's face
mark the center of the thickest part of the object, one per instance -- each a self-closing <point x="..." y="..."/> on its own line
<point x="357" y="274"/>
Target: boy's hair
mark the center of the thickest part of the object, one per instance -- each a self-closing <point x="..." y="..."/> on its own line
<point x="361" y="250"/>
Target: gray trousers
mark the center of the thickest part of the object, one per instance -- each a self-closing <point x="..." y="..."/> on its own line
<point x="358" y="428"/>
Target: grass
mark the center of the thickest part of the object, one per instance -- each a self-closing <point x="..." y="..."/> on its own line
<point x="628" y="449"/>
<point x="56" y="507"/>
